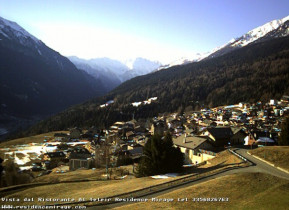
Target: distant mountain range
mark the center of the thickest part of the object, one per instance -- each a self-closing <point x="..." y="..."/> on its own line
<point x="37" y="81"/>
<point x="114" y="72"/>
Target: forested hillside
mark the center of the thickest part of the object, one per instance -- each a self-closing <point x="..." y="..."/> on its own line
<point x="37" y="81"/>
<point x="256" y="72"/>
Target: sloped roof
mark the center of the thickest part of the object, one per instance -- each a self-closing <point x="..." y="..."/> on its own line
<point x="79" y="153"/>
<point x="159" y="123"/>
<point x="265" y="139"/>
<point x="220" y="132"/>
<point x="236" y="129"/>
<point x="191" y="142"/>
<point x="55" y="154"/>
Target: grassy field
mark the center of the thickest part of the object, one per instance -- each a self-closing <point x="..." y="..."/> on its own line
<point x="278" y="155"/>
<point x="100" y="188"/>
<point x="223" y="160"/>
<point x="244" y="191"/>
<point x="31" y="139"/>
<point x="84" y="190"/>
<point x="82" y="174"/>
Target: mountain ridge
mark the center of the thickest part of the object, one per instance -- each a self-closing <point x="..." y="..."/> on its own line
<point x="117" y="71"/>
<point x="37" y="81"/>
<point x="257" y="34"/>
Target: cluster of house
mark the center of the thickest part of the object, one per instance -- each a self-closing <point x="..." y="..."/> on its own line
<point x="53" y="152"/>
<point x="204" y="132"/>
<point x="199" y="135"/>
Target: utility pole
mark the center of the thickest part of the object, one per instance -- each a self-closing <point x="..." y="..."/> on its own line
<point x="106" y="154"/>
<point x="265" y="145"/>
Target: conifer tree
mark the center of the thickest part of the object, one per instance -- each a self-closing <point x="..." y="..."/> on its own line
<point x="160" y="156"/>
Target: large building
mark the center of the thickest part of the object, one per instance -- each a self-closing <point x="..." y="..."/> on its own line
<point x="195" y="149"/>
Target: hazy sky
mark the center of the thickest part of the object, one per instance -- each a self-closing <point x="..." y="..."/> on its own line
<point x="156" y="29"/>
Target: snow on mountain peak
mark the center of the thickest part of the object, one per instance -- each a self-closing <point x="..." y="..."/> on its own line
<point x="141" y="65"/>
<point x="285" y="19"/>
<point x="7" y="26"/>
<point x="185" y="60"/>
<point x="129" y="62"/>
<point x="232" y="40"/>
<point x="258" y="32"/>
<point x="242" y="41"/>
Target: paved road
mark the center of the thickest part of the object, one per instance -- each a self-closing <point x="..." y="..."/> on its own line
<point x="257" y="166"/>
<point x="260" y="166"/>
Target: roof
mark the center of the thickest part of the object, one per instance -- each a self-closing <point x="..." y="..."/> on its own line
<point x="236" y="129"/>
<point x="60" y="135"/>
<point x="220" y="132"/>
<point x="159" y="123"/>
<point x="207" y="121"/>
<point x="119" y="123"/>
<point x="55" y="154"/>
<point x="129" y="133"/>
<point x="265" y="139"/>
<point x="80" y="150"/>
<point x="137" y="150"/>
<point x="79" y="153"/>
<point x="136" y="145"/>
<point x="191" y="142"/>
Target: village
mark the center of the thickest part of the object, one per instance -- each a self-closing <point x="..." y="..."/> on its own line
<point x="200" y="135"/>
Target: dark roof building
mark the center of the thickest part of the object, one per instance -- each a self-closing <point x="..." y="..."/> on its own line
<point x="219" y="135"/>
<point x="79" y="153"/>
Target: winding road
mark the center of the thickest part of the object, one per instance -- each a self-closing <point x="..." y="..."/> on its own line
<point x="256" y="166"/>
<point x="260" y="166"/>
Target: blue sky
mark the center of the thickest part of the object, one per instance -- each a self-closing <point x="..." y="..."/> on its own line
<point x="160" y="30"/>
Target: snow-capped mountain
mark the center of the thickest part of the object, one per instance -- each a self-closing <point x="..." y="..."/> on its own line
<point x="185" y="60"/>
<point x="119" y="71"/>
<point x="258" y="32"/>
<point x="14" y="36"/>
<point x="270" y="30"/>
<point x="141" y="66"/>
<point x="12" y="30"/>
